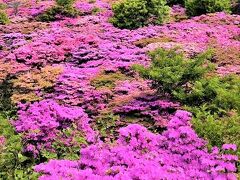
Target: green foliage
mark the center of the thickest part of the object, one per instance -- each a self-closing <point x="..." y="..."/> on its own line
<point x="132" y="14"/>
<point x="96" y="10"/>
<point x="65" y="3"/>
<point x="13" y="164"/>
<point x="171" y="72"/>
<point x="57" y="12"/>
<point x="64" y="8"/>
<point x="3" y="6"/>
<point x="220" y="94"/>
<point x="186" y="80"/>
<point x="106" y="125"/>
<point x="198" y="7"/>
<point x="91" y="1"/>
<point x="63" y="151"/>
<point x="217" y="131"/>
<point x="3" y="18"/>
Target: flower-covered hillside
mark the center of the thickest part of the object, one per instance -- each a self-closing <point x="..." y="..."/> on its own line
<point x="73" y="105"/>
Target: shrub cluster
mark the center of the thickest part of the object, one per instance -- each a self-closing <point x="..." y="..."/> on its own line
<point x="64" y="8"/>
<point x="132" y="14"/>
<point x="198" y="7"/>
<point x="214" y="100"/>
<point x="170" y="71"/>
<point x="188" y="81"/>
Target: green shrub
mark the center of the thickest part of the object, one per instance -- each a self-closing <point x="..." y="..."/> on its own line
<point x="63" y="151"/>
<point x="56" y="13"/>
<point x="107" y="80"/>
<point x="221" y="94"/>
<point x="171" y="72"/>
<point x="6" y="90"/>
<point x="198" y="7"/>
<point x="65" y="3"/>
<point x="13" y="164"/>
<point x="3" y="6"/>
<point x="186" y="80"/>
<point x="64" y="8"/>
<point x="3" y="18"/>
<point x="132" y="14"/>
<point x="217" y="131"/>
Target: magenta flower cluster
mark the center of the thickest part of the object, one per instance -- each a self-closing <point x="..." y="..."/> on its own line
<point x="40" y="123"/>
<point x="89" y="46"/>
<point x="139" y="154"/>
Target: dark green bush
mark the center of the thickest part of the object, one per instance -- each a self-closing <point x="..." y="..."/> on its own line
<point x="64" y="8"/>
<point x="132" y="14"/>
<point x="221" y="94"/>
<point x="57" y="12"/>
<point x="198" y="7"/>
<point x="186" y="80"/>
<point x="171" y="72"/>
<point x="3" y="18"/>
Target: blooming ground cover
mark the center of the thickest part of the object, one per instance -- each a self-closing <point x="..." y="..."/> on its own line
<point x="72" y="106"/>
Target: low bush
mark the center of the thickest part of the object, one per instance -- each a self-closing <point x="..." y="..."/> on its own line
<point x="198" y="7"/>
<point x="13" y="163"/>
<point x="132" y="14"/>
<point x="3" y="18"/>
<point x="64" y="8"/>
<point x="217" y="131"/>
<point x="57" y="12"/>
<point x="171" y="72"/>
<point x="188" y="81"/>
<point x="107" y="80"/>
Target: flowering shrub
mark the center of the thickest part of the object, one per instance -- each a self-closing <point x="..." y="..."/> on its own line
<point x="133" y="14"/>
<point x="83" y="105"/>
<point x="138" y="153"/>
<point x="42" y="121"/>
